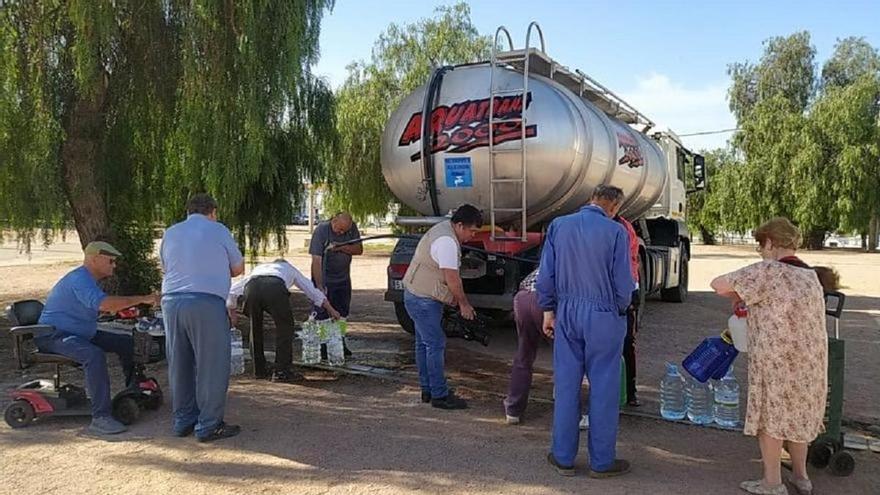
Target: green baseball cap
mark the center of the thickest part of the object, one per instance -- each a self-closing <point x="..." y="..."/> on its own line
<point x="101" y="247"/>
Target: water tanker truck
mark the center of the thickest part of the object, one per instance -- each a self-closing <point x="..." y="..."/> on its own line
<point x="526" y="139"/>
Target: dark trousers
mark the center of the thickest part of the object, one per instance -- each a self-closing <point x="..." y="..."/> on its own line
<point x="90" y="354"/>
<point x="339" y="295"/>
<point x="270" y="295"/>
<point x="629" y="345"/>
<point x="529" y="319"/>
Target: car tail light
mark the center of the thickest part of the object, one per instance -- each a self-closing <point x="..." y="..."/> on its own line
<point x="397" y="270"/>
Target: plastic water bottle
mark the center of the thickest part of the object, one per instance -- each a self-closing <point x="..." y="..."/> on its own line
<point x="672" y="397"/>
<point x="727" y="401"/>
<point x="236" y="364"/>
<point x="335" y="349"/>
<point x="738" y="326"/>
<point x="700" y="402"/>
<point x="311" y="343"/>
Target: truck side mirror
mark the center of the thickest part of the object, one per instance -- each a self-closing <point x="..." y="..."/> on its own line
<point x="700" y="179"/>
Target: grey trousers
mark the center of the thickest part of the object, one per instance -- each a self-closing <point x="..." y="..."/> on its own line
<point x="197" y="341"/>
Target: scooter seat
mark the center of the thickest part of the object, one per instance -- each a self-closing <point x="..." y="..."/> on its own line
<point x="49" y="358"/>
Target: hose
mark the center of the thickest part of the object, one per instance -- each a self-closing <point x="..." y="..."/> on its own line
<point x="415" y="237"/>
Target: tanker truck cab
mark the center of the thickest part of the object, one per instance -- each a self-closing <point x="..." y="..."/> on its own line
<point x="526" y="140"/>
<point x="665" y="239"/>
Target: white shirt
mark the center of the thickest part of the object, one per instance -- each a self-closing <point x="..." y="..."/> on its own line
<point x="444" y="251"/>
<point x="283" y="270"/>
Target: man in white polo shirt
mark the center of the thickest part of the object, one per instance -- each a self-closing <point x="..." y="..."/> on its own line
<point x="267" y="289"/>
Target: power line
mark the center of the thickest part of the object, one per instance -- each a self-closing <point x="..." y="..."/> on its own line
<point x="706" y="133"/>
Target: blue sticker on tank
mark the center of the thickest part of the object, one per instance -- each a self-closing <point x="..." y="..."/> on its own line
<point x="459" y="172"/>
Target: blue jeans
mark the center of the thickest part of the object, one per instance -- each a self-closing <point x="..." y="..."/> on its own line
<point x="90" y="354"/>
<point x="197" y="342"/>
<point x="427" y="313"/>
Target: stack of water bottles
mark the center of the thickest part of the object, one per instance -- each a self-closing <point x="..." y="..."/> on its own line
<point x="311" y="343"/>
<point x="236" y="363"/>
<point x="697" y="397"/>
<point x="700" y="403"/>
<point x="331" y="333"/>
<point x="327" y="332"/>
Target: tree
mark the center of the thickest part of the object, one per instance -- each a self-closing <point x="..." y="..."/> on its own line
<point x="771" y="100"/>
<point x="402" y="60"/>
<point x="113" y="112"/>
<point x="701" y="217"/>
<point x="809" y="156"/>
<point x="853" y="58"/>
<point x="847" y="127"/>
<point x="786" y="70"/>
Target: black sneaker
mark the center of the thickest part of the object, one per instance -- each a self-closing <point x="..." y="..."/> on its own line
<point x="185" y="432"/>
<point x="449" y="402"/>
<point x="618" y="468"/>
<point x="264" y="372"/>
<point x="345" y="350"/>
<point x="562" y="470"/>
<point x="287" y="376"/>
<point x="222" y="431"/>
<point x="426" y="396"/>
<point x="633" y="402"/>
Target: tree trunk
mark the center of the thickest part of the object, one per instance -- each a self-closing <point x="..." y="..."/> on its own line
<point x="814" y="240"/>
<point x="873" y="232"/>
<point x="84" y="127"/>
<point x="707" y="236"/>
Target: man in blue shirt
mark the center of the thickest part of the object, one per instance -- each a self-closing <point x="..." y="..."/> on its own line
<point x="199" y="257"/>
<point x="72" y="308"/>
<point x="584" y="288"/>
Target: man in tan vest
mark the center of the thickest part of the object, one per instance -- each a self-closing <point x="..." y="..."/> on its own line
<point x="431" y="281"/>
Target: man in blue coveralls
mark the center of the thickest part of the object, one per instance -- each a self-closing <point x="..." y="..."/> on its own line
<point x="584" y="288"/>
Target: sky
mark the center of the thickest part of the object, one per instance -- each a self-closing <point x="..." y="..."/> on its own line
<point x="667" y="58"/>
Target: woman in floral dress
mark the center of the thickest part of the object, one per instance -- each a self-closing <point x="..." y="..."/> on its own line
<point x="788" y="352"/>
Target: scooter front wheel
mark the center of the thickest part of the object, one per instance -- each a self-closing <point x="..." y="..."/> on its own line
<point x="126" y="410"/>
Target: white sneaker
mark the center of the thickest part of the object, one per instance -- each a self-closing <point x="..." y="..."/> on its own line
<point x="585" y="422"/>
<point x="512" y="420"/>
<point x="105" y="425"/>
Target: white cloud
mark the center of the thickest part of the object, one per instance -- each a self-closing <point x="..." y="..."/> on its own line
<point x="683" y="109"/>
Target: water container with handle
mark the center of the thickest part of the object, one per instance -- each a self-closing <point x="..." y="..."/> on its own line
<point x="738" y="326"/>
<point x="700" y="402"/>
<point x="711" y="358"/>
<point x="311" y="343"/>
<point x="727" y="401"/>
<point x="672" y="400"/>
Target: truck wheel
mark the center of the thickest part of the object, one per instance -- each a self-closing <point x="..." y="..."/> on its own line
<point x="403" y="318"/>
<point x="678" y="294"/>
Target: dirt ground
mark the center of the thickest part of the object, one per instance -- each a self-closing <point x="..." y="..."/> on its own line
<point x="339" y="433"/>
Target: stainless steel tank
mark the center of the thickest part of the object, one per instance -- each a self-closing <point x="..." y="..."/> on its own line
<point x="572" y="147"/>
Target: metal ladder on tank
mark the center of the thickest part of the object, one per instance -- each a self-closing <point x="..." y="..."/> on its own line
<point x="522" y="179"/>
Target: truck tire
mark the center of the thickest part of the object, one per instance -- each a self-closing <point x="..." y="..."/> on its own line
<point x="678" y="294"/>
<point x="403" y="318"/>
